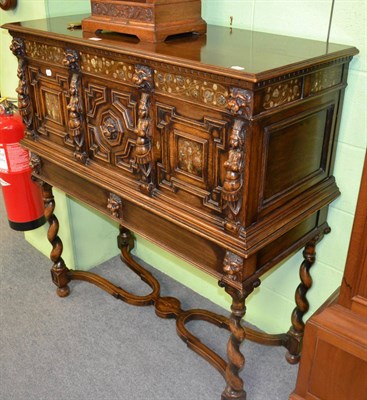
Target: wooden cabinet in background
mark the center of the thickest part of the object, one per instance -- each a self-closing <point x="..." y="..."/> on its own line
<point x="334" y="355"/>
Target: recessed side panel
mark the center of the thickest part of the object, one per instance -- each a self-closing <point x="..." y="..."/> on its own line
<point x="296" y="154"/>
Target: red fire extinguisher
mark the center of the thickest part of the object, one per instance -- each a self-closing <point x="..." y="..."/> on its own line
<point x="22" y="196"/>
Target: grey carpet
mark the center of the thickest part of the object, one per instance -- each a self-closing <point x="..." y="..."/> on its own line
<point x="90" y="346"/>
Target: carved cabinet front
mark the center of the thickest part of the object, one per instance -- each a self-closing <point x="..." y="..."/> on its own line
<point x="229" y="168"/>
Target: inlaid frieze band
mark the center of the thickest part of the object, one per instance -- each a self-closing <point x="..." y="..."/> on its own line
<point x="44" y="52"/>
<point x="108" y="67"/>
<point x="282" y="93"/>
<point x="326" y="78"/>
<point x="190" y="88"/>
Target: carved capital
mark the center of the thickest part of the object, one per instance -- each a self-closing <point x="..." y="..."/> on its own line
<point x="240" y="102"/>
<point x="114" y="205"/>
<point x="71" y="59"/>
<point x="143" y="77"/>
<point x="17" y="47"/>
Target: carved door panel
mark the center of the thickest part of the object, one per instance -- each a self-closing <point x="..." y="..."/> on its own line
<point x="190" y="153"/>
<point x="111" y="118"/>
<point x="50" y="86"/>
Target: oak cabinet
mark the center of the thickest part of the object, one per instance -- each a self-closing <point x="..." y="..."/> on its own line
<point x="218" y="147"/>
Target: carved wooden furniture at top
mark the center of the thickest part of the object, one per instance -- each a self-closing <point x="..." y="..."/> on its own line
<point x="334" y="357"/>
<point x="149" y="20"/>
<point x="219" y="148"/>
<point x="8" y="4"/>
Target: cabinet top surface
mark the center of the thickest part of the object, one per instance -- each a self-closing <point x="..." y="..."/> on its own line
<point x="255" y="55"/>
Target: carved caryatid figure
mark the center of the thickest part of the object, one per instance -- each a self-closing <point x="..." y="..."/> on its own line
<point x="233" y="181"/>
<point x="143" y="148"/>
<point x="24" y="101"/>
<point x="75" y="119"/>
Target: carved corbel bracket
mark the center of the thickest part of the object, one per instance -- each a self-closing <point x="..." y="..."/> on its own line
<point x="240" y="102"/>
<point x="24" y="102"/>
<point x="143" y="77"/>
<point x="233" y="181"/>
<point x="114" y="205"/>
<point x="232" y="266"/>
<point x="35" y="163"/>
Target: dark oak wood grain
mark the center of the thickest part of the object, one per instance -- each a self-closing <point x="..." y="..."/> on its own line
<point x="228" y="168"/>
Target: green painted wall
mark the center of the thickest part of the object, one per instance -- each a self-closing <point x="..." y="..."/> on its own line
<point x="269" y="307"/>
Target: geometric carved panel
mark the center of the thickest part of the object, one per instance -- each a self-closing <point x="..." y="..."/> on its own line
<point x="111" y="120"/>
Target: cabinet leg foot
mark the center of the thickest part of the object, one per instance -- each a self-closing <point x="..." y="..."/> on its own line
<point x="59" y="271"/>
<point x="296" y="331"/>
<point x="236" y="360"/>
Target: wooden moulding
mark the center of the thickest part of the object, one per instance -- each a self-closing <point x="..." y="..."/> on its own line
<point x="149" y="20"/>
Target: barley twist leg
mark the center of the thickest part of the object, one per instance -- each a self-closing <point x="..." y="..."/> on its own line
<point x="59" y="271"/>
<point x="302" y="305"/>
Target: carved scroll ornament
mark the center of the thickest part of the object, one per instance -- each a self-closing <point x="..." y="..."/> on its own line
<point x="233" y="181"/>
